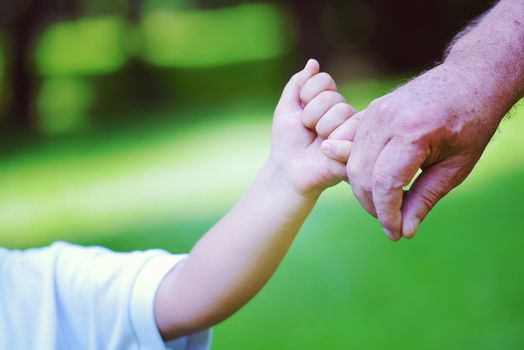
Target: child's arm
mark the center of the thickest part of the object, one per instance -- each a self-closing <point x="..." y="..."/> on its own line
<point x="232" y="262"/>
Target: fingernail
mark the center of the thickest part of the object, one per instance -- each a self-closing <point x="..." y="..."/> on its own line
<point x="390" y="234"/>
<point x="308" y="62"/>
<point x="412" y="225"/>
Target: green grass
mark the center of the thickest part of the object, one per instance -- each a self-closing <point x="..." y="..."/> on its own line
<point x="343" y="285"/>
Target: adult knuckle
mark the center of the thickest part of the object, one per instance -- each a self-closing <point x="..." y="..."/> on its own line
<point x="382" y="181"/>
<point x="411" y="120"/>
<point x="374" y="104"/>
<point x="380" y="116"/>
<point x="366" y="185"/>
<point x="390" y="105"/>
<point x="409" y="113"/>
<point x="394" y="109"/>
<point x="379" y="104"/>
<point x="363" y="131"/>
<point x="358" y="182"/>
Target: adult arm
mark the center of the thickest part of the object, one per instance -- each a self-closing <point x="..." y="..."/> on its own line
<point x="439" y="122"/>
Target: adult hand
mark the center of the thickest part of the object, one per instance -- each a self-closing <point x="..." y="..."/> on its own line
<point x="439" y="122"/>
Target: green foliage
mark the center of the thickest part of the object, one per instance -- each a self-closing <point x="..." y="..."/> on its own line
<point x="168" y="37"/>
<point x="223" y="43"/>
<point x="63" y="103"/>
<point x="204" y="38"/>
<point x="87" y="46"/>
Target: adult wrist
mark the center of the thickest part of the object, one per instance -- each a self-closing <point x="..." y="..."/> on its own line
<point x="497" y="87"/>
<point x="483" y="94"/>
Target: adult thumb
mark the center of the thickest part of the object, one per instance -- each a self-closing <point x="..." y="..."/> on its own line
<point x="428" y="189"/>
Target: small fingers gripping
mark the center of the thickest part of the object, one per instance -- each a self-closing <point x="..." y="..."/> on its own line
<point x="333" y="119"/>
<point x="337" y="153"/>
<point x="324" y="108"/>
<point x="314" y="86"/>
<point x="348" y="129"/>
<point x="340" y="125"/>
<point x="319" y="106"/>
<point x="290" y="101"/>
<point x="338" y="150"/>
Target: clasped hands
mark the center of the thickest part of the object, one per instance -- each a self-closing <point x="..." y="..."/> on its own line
<point x="432" y="124"/>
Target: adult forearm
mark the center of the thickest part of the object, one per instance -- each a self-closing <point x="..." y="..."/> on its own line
<point x="230" y="264"/>
<point x="491" y="55"/>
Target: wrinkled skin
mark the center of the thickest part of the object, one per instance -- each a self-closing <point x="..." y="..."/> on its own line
<point x="440" y="122"/>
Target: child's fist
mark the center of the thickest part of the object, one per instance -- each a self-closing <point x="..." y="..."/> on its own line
<point x="309" y="111"/>
<point x="338" y="146"/>
<point x="324" y="108"/>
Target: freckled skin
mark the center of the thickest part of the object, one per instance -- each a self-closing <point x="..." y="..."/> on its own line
<point x="440" y="122"/>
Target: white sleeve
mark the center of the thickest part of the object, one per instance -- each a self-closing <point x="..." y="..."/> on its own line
<point x="142" y="307"/>
<point x="107" y="298"/>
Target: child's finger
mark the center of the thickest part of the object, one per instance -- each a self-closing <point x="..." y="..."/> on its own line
<point x="315" y="85"/>
<point x="338" y="150"/>
<point x="315" y="109"/>
<point x="290" y="99"/>
<point x="338" y="169"/>
<point x="347" y="130"/>
<point x="333" y="118"/>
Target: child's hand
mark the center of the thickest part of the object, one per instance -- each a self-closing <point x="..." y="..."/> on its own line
<point x="338" y="146"/>
<point x="234" y="260"/>
<point x="309" y="110"/>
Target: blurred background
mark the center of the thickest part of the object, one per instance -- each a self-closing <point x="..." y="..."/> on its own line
<point x="136" y="124"/>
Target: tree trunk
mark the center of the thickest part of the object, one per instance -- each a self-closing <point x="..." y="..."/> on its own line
<point x="20" y="80"/>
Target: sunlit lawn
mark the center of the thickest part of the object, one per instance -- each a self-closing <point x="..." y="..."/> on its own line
<point x="458" y="285"/>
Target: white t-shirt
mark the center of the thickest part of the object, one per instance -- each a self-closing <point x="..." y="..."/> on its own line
<point x="70" y="297"/>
